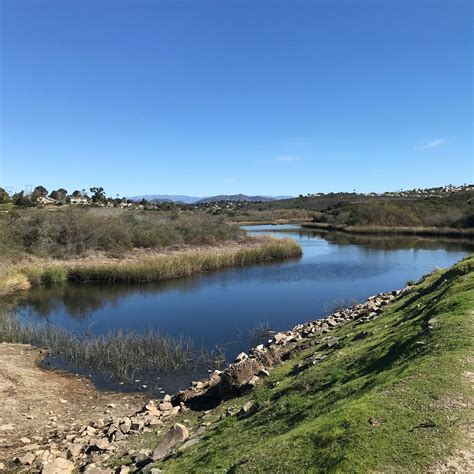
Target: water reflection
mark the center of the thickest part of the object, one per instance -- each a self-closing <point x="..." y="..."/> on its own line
<point x="219" y="308"/>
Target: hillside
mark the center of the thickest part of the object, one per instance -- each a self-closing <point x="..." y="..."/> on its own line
<point x="391" y="394"/>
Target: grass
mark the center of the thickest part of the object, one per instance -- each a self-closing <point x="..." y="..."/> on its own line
<point x="117" y="354"/>
<point x="11" y="281"/>
<point x="396" y="230"/>
<point x="153" y="268"/>
<point x="394" y="400"/>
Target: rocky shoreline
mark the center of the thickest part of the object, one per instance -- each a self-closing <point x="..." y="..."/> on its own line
<point x="88" y="447"/>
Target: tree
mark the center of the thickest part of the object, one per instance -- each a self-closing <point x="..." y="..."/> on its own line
<point x="59" y="195"/>
<point x="98" y="195"/>
<point x="39" y="191"/>
<point x="4" y="197"/>
<point x="77" y="193"/>
<point x="19" y="199"/>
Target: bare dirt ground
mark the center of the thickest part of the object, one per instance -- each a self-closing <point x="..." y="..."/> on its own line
<point x="36" y="402"/>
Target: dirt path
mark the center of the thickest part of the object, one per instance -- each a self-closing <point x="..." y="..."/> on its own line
<point x="36" y="402"/>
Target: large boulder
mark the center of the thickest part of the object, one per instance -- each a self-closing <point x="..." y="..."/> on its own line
<point x="235" y="378"/>
<point x="177" y="434"/>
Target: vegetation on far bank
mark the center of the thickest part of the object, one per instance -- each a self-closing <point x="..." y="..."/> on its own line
<point x="392" y="396"/>
<point x="75" y="232"/>
<point x="145" y="268"/>
<point x="450" y="210"/>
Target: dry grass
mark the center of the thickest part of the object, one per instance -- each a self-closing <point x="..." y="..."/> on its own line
<point x="152" y="266"/>
<point x="11" y="281"/>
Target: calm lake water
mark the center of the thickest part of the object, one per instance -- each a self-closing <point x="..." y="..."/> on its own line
<point x="220" y="308"/>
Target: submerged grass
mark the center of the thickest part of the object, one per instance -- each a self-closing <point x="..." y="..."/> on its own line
<point x="123" y="355"/>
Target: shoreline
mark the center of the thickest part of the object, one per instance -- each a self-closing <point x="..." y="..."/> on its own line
<point x="146" y="266"/>
<point x="214" y="397"/>
<point x="384" y="230"/>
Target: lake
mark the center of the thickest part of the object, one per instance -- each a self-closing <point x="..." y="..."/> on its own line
<point x="220" y="308"/>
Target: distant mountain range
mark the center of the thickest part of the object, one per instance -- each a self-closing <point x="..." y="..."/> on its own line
<point x="205" y="200"/>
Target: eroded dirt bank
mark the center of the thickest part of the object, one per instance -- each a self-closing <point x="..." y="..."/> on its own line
<point x="36" y="403"/>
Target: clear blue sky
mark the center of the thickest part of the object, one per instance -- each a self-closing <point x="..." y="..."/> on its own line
<point x="259" y="97"/>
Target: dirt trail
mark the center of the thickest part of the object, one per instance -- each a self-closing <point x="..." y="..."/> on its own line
<point x="36" y="402"/>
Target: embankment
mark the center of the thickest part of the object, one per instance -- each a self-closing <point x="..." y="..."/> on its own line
<point x="383" y="386"/>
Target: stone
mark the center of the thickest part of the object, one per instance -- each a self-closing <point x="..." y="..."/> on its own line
<point x="124" y="470"/>
<point x="279" y="337"/>
<point x="75" y="449"/>
<point x="332" y="342"/>
<point x="252" y="381"/>
<point x="263" y="373"/>
<point x="167" y="398"/>
<point x="177" y="434"/>
<point x="242" y="356"/>
<point x="6" y="427"/>
<point x="125" y="425"/>
<point x="166" y="406"/>
<point x="58" y="466"/>
<point x="25" y="440"/>
<point x="247" y="408"/>
<point x="26" y="460"/>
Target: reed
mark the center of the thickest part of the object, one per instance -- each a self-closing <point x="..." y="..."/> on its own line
<point x="161" y="267"/>
<point x="12" y="281"/>
<point x="124" y="355"/>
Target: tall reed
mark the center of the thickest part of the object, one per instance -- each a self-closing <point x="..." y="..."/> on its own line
<point x="120" y="354"/>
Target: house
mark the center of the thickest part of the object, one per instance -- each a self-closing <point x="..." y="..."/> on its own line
<point x="80" y="200"/>
<point x="45" y="201"/>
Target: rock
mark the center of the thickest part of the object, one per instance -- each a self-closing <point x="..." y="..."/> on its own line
<point x="58" y="466"/>
<point x="137" y="424"/>
<point x="124" y="470"/>
<point x="332" y="342"/>
<point x="190" y="442"/>
<point x="93" y="469"/>
<point x="263" y="373"/>
<point x="331" y="322"/>
<point x="242" y="356"/>
<point x="247" y="408"/>
<point x="7" y="427"/>
<point x="167" y="398"/>
<point x="26" y="460"/>
<point x="165" y="406"/>
<point x="252" y="381"/>
<point x="279" y="337"/>
<point x="125" y="425"/>
<point x="177" y="434"/>
<point x="235" y="377"/>
<point x="75" y="449"/>
<point x="25" y="440"/>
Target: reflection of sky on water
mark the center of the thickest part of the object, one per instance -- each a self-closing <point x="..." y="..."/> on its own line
<point x="220" y="307"/>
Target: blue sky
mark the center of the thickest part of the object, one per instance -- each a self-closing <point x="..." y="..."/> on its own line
<point x="259" y="97"/>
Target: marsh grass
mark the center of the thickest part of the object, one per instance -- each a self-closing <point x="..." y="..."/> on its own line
<point x="162" y="267"/>
<point x="120" y="354"/>
<point x="11" y="281"/>
<point x="259" y="333"/>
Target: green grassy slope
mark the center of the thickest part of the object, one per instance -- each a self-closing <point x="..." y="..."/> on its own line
<point x="392" y="397"/>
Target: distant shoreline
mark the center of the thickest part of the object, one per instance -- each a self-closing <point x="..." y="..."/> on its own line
<point x="377" y="230"/>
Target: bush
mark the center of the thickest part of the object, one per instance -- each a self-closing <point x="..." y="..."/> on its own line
<point x="77" y="232"/>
